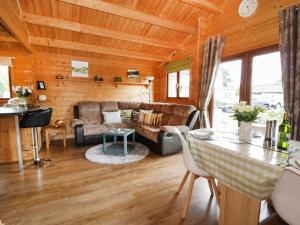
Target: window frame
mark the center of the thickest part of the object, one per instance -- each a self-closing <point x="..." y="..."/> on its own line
<point x="246" y="73"/>
<point x="10" y="88"/>
<point x="177" y="85"/>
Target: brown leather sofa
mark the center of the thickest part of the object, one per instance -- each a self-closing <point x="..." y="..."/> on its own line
<point x="88" y="123"/>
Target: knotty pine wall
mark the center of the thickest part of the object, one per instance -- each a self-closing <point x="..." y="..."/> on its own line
<point x="63" y="95"/>
<point x="241" y="35"/>
<point x="246" y="34"/>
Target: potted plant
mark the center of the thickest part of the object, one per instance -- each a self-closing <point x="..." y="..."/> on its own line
<point x="246" y="114"/>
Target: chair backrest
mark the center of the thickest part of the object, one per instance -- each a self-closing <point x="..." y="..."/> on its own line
<point x="187" y="155"/>
<point x="286" y="196"/>
<point x="37" y="118"/>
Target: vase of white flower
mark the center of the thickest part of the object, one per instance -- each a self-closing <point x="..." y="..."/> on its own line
<point x="22" y="92"/>
<point x="246" y="114"/>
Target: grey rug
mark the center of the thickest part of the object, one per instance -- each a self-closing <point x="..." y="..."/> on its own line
<point x="96" y="155"/>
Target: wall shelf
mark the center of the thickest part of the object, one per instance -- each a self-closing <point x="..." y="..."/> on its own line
<point x="91" y="81"/>
<point x="146" y="85"/>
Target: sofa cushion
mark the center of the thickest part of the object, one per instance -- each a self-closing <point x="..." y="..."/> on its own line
<point x="148" y="131"/>
<point x="153" y="119"/>
<point x="156" y="107"/>
<point x="142" y="114"/>
<point x="126" y="115"/>
<point x="112" y="117"/>
<point x="116" y="125"/>
<point x="89" y="112"/>
<point x="180" y="114"/>
<point x="167" y="108"/>
<point x="135" y="116"/>
<point x="109" y="106"/>
<point x="130" y="105"/>
<point x="94" y="129"/>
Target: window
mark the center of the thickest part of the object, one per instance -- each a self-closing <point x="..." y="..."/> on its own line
<point x="4" y="82"/>
<point x="266" y="88"/>
<point x="254" y="77"/>
<point x="179" y="84"/>
<point x="227" y="94"/>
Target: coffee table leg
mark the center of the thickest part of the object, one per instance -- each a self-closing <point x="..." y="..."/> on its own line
<point x="104" y="144"/>
<point x="133" y="138"/>
<point x="115" y="139"/>
<point x="125" y="146"/>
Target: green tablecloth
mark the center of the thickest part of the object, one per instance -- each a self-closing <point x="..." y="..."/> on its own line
<point x="250" y="169"/>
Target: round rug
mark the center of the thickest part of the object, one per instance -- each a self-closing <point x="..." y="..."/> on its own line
<point x="96" y="155"/>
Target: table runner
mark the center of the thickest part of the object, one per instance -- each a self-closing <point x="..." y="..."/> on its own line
<point x="250" y="169"/>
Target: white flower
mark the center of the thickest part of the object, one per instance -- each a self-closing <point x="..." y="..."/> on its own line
<point x="243" y="103"/>
<point x="248" y="108"/>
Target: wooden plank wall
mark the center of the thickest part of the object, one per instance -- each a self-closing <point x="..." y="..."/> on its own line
<point x="62" y="95"/>
<point x="241" y="35"/>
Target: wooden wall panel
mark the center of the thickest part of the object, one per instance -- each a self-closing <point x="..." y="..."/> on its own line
<point x="245" y="34"/>
<point x="63" y="95"/>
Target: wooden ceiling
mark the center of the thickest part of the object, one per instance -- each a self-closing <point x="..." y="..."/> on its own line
<point x="144" y="30"/>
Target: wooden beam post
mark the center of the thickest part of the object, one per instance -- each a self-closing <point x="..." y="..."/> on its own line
<point x="10" y="16"/>
<point x="88" y="29"/>
<point x="132" y="14"/>
<point x="205" y="5"/>
<point x="93" y="48"/>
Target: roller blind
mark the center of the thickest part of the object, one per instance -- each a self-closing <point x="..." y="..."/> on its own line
<point x="7" y="61"/>
<point x="178" y="65"/>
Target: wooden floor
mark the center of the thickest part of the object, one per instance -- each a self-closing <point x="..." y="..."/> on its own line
<point x="75" y="191"/>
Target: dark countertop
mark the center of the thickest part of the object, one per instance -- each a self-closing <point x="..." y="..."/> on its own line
<point x="14" y="111"/>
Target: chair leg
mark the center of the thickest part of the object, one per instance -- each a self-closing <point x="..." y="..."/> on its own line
<point x="188" y="196"/>
<point x="213" y="182"/>
<point x="210" y="187"/>
<point x="187" y="173"/>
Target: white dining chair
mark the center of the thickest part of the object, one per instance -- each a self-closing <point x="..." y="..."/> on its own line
<point x="192" y="168"/>
<point x="286" y="196"/>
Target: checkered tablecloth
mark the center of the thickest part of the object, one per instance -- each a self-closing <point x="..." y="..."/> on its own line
<point x="250" y="169"/>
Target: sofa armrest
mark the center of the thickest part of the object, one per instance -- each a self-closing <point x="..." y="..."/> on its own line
<point x="182" y="128"/>
<point x="168" y="143"/>
<point x="76" y="122"/>
<point x="79" y="134"/>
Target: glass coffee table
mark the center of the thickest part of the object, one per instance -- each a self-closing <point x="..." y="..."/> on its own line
<point x="118" y="148"/>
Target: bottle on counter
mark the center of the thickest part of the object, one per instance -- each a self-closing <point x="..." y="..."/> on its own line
<point x="284" y="133"/>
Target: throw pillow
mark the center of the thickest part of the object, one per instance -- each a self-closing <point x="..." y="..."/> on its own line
<point x="126" y="115"/>
<point x="142" y="114"/>
<point x="135" y="116"/>
<point x="112" y="117"/>
<point x="153" y="119"/>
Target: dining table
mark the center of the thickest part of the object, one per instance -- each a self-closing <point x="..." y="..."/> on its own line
<point x="246" y="173"/>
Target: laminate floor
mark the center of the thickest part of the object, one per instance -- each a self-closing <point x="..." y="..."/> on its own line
<point x="76" y="191"/>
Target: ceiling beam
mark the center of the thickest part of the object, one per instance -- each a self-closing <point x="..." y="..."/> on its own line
<point x="205" y="5"/>
<point x="132" y="14"/>
<point x="93" y="48"/>
<point x="88" y="29"/>
<point x="100" y="61"/>
<point x="9" y="15"/>
<point x="7" y="38"/>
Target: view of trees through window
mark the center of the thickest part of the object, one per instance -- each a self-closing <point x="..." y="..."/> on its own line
<point x="4" y="82"/>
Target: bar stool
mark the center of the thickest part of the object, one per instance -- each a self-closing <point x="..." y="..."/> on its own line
<point x="35" y="119"/>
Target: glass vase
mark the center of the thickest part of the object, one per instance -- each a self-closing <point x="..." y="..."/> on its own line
<point x="245" y="131"/>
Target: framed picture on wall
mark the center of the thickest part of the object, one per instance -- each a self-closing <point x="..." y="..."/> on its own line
<point x="80" y="68"/>
<point x="40" y="85"/>
<point x="133" y="74"/>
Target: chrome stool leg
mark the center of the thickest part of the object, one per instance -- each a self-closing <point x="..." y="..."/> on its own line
<point x="37" y="161"/>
